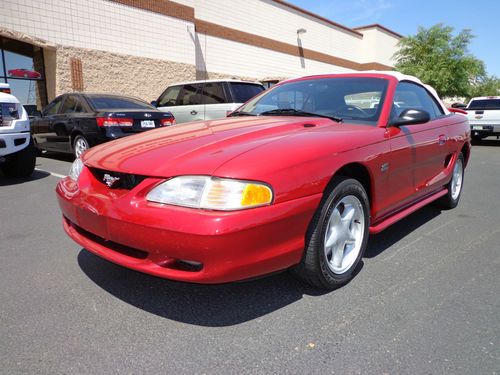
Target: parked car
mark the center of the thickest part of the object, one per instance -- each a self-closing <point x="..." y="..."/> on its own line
<point x="24" y="73"/>
<point x="17" y="151"/>
<point x="75" y="122"/>
<point x="297" y="178"/>
<point x="484" y="116"/>
<point x="206" y="100"/>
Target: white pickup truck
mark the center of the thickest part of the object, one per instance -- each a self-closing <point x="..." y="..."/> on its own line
<point x="484" y="116"/>
<point x="17" y="151"/>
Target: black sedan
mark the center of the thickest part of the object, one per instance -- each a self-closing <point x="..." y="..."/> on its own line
<point x="75" y="122"/>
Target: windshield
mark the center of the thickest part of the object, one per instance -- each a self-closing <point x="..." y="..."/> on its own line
<point x="112" y="102"/>
<point x="350" y="99"/>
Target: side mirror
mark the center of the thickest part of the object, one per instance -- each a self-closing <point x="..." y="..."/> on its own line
<point x="411" y="117"/>
<point x="154" y="103"/>
<point x="459" y="105"/>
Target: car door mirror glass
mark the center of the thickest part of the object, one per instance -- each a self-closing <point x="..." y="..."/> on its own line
<point x="154" y="103"/>
<point x="411" y="117"/>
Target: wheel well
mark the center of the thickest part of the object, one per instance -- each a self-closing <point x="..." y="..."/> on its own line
<point x="466" y="152"/>
<point x="73" y="136"/>
<point x="358" y="172"/>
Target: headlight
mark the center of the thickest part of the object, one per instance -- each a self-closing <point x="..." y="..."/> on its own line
<point x="10" y="112"/>
<point x="76" y="169"/>
<point x="211" y="193"/>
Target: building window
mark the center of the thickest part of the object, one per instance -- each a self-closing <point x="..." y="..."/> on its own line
<point x="22" y="67"/>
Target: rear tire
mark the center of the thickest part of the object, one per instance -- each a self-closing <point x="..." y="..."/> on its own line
<point x="21" y="163"/>
<point x="337" y="236"/>
<point x="80" y="145"/>
<point x="450" y="200"/>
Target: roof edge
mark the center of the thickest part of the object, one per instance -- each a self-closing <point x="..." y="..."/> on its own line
<point x="379" y="26"/>
<point x="317" y="16"/>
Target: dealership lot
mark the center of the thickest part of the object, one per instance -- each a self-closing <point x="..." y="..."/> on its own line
<point x="425" y="300"/>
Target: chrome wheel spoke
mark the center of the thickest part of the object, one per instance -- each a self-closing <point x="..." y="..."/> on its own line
<point x="332" y="229"/>
<point x="352" y="238"/>
<point x="344" y="234"/>
<point x="349" y="213"/>
<point x="338" y="256"/>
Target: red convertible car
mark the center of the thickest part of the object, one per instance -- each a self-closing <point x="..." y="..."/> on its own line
<point x="298" y="177"/>
<point x="24" y="73"/>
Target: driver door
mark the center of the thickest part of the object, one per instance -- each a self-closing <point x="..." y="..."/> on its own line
<point x="418" y="152"/>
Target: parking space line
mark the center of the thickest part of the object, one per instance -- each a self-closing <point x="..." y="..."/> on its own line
<point x="51" y="173"/>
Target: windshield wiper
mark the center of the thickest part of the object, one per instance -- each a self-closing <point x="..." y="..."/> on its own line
<point x="296" y="112"/>
<point x="239" y="113"/>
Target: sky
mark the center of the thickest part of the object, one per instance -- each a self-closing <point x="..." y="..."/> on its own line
<point x="482" y="17"/>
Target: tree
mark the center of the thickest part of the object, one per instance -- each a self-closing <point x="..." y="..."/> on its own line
<point x="488" y="87"/>
<point x="441" y="60"/>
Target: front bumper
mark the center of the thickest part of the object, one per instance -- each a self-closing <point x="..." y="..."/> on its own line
<point x="484" y="130"/>
<point x="11" y="143"/>
<point x="181" y="243"/>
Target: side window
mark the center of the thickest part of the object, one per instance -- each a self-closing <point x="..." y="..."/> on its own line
<point x="79" y="108"/>
<point x="213" y="93"/>
<point x="169" y="97"/>
<point x="410" y="95"/>
<point x="242" y="92"/>
<point x="53" y="107"/>
<point x="69" y="105"/>
<point x="190" y="95"/>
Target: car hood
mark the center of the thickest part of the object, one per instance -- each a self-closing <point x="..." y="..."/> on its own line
<point x="198" y="147"/>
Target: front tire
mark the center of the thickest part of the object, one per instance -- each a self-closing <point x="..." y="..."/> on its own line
<point x="21" y="163"/>
<point x="337" y="236"/>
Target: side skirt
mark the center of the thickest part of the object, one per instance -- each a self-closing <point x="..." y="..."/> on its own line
<point x="407" y="211"/>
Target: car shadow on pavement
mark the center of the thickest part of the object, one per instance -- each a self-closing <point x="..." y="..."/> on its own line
<point x="58" y="156"/>
<point x="486" y="142"/>
<point x="204" y="305"/>
<point x="379" y="242"/>
<point x="8" y="181"/>
<point x="224" y="304"/>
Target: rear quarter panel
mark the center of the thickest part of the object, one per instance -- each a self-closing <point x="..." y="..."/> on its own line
<point x="460" y="135"/>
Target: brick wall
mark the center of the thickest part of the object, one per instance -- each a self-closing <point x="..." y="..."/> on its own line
<point x="118" y="73"/>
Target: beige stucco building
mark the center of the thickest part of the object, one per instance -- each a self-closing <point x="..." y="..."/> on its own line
<point x="138" y="47"/>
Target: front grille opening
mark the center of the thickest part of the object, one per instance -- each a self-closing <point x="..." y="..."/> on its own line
<point x="117" y="180"/>
<point x="119" y="248"/>
<point x="186" y="265"/>
<point x="170" y="263"/>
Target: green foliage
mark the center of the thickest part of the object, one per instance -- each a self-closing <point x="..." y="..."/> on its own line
<point x="489" y="86"/>
<point x="441" y="60"/>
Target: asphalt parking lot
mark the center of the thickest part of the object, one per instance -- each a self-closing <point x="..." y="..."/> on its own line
<point x="425" y="301"/>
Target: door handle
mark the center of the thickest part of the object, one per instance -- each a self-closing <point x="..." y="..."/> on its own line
<point x="442" y="139"/>
<point x="193" y="112"/>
